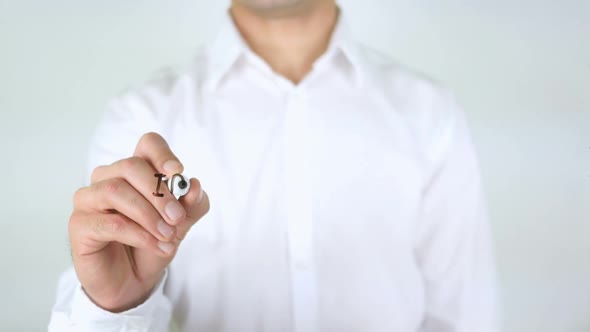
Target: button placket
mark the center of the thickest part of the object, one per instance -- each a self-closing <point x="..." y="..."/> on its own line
<point x="299" y="211"/>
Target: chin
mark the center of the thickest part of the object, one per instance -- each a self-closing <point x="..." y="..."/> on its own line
<point x="278" y="7"/>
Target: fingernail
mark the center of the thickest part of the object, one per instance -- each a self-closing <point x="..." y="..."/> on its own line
<point x="165" y="229"/>
<point x="174" y="210"/>
<point x="201" y="196"/>
<point x="166" y="247"/>
<point x="171" y="166"/>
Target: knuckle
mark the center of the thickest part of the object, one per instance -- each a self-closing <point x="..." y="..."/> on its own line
<point x="78" y="196"/>
<point x="149" y="221"/>
<point x="114" y="224"/>
<point x="179" y="238"/>
<point x="129" y="165"/>
<point x="73" y="223"/>
<point x="143" y="209"/>
<point x="136" y="202"/>
<point x="153" y="144"/>
<point x="112" y="186"/>
<point x="107" y="224"/>
<point x="144" y="238"/>
<point x="149" y="138"/>
<point x="74" y="232"/>
<point x="96" y="173"/>
<point x="97" y="224"/>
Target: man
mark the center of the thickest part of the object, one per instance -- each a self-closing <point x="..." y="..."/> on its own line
<point x="344" y="193"/>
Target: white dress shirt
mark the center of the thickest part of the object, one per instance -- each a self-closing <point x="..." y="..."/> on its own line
<point x="349" y="202"/>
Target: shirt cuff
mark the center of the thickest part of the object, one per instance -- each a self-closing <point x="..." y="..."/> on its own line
<point x="141" y="318"/>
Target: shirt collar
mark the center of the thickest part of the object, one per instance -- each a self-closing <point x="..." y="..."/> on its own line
<point x="228" y="46"/>
<point x="343" y="43"/>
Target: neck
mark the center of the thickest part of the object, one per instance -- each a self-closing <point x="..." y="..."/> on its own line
<point x="290" y="44"/>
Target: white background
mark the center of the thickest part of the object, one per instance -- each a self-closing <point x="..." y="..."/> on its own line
<point x="520" y="68"/>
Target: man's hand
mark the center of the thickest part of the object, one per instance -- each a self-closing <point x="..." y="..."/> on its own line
<point x="122" y="236"/>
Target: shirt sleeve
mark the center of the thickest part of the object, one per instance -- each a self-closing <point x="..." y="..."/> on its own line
<point x="454" y="246"/>
<point x="74" y="311"/>
<point x="125" y="121"/>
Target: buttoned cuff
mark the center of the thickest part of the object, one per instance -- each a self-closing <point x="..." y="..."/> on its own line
<point x="144" y="317"/>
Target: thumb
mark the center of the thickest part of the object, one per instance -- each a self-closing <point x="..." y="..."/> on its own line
<point x="196" y="204"/>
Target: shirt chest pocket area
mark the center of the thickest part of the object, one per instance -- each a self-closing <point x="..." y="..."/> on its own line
<point x="367" y="184"/>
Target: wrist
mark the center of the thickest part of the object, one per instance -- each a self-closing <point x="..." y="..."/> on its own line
<point x="127" y="297"/>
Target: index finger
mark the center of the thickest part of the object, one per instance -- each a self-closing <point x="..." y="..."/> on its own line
<point x="154" y="149"/>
